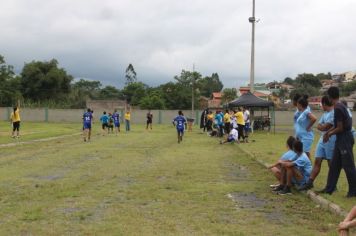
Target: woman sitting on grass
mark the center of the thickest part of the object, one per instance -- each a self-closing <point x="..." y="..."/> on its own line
<point x="290" y="155"/>
<point x="294" y="172"/>
<point x="232" y="137"/>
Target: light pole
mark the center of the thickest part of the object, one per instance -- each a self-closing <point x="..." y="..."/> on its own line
<point x="252" y="20"/>
<point x="193" y="82"/>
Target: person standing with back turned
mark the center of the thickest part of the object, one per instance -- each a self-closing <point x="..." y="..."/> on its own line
<point x="15" y="120"/>
<point x="343" y="156"/>
<point x="180" y="123"/>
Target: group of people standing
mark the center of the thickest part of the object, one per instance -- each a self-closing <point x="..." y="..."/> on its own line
<point x="235" y="124"/>
<point x="335" y="145"/>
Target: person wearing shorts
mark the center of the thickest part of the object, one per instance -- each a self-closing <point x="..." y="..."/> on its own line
<point x="324" y="151"/>
<point x="15" y="120"/>
<point x="343" y="156"/>
<point x="294" y="172"/>
<point x="304" y="125"/>
<point x="180" y="122"/>
<point x="104" y="121"/>
<point x="116" y="118"/>
<point x="87" y="120"/>
<point x="290" y="155"/>
<point x="149" y="117"/>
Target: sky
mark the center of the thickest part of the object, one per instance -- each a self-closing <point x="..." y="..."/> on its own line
<point x="97" y="40"/>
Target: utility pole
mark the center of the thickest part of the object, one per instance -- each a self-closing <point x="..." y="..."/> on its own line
<point x="193" y="83"/>
<point x="252" y="20"/>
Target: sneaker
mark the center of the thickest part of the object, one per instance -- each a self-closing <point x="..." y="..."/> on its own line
<point x="274" y="185"/>
<point x="285" y="191"/>
<point x="350" y="195"/>
<point x="278" y="188"/>
<point x="323" y="191"/>
<point x="307" y="186"/>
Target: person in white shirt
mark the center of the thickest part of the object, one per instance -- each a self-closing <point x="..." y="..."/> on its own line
<point x="232" y="137"/>
<point x="247" y="121"/>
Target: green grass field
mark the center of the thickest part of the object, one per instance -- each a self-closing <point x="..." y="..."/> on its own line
<point x="269" y="147"/>
<point x="145" y="183"/>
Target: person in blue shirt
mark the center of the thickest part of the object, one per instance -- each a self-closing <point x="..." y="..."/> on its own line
<point x="219" y="122"/>
<point x="304" y="125"/>
<point x="87" y="120"/>
<point x="343" y="157"/>
<point x="180" y="123"/>
<point x="324" y="151"/>
<point x="294" y="172"/>
<point x="104" y="121"/>
<point x="297" y="112"/>
<point x="116" y="118"/>
<point x="290" y="155"/>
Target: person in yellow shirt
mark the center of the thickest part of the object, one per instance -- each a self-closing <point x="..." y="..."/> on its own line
<point x="240" y="123"/>
<point x="15" y="120"/>
<point x="127" y="120"/>
<point x="227" y="122"/>
<point x="210" y="121"/>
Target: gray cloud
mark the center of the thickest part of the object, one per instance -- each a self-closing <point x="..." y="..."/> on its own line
<point x="97" y="39"/>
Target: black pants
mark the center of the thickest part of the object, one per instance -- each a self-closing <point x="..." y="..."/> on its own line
<point x="227" y="127"/>
<point x="221" y="130"/>
<point x="16" y="126"/>
<point x="343" y="157"/>
<point x="241" y="131"/>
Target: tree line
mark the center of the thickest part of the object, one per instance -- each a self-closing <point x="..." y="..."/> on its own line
<point x="45" y="84"/>
<point x="311" y="84"/>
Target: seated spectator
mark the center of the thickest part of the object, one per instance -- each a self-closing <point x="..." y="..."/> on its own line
<point x="232" y="137"/>
<point x="348" y="223"/>
<point x="294" y="172"/>
<point x="290" y="155"/>
<point x="214" y="132"/>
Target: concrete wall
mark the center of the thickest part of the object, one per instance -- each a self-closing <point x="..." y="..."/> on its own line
<point x="284" y="118"/>
<point x="75" y="115"/>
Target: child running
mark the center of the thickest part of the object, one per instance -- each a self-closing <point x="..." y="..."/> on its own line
<point x="116" y="118"/>
<point x="87" y="119"/>
<point x="290" y="155"/>
<point x="104" y="122"/>
<point x="324" y="151"/>
<point x="111" y="124"/>
<point x="180" y="123"/>
<point x="294" y="172"/>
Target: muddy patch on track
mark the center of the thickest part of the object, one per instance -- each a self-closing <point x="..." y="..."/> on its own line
<point x="251" y="202"/>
